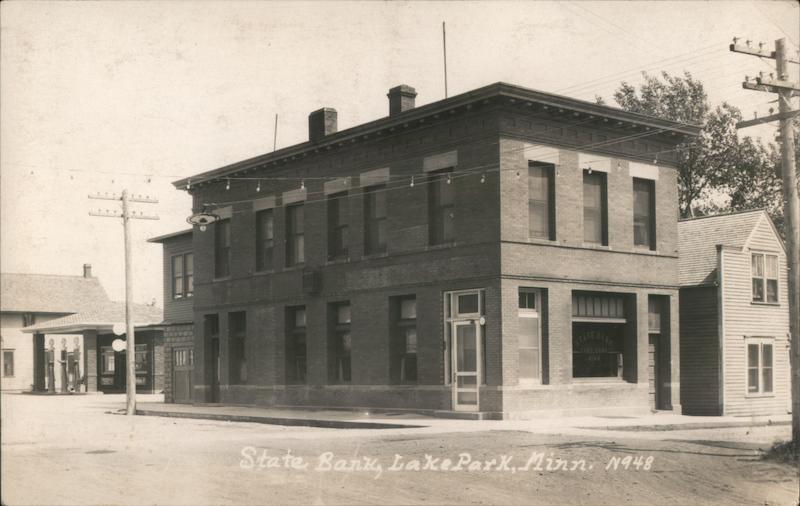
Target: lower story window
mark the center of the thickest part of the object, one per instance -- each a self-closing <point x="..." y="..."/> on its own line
<point x="597" y="350"/>
<point x="8" y="363"/>
<point x="107" y="362"/>
<point x="759" y="365"/>
<point x="529" y="335"/>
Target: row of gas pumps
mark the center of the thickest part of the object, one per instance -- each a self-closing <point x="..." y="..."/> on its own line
<point x="69" y="368"/>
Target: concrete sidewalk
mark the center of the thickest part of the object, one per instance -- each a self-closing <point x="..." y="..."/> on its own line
<point x="352" y="419"/>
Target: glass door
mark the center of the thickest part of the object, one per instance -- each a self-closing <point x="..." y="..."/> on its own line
<point x="466" y="359"/>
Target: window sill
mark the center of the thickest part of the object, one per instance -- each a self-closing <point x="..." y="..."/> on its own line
<point x="602" y="247"/>
<point x="607" y="380"/>
<point x="380" y="254"/>
<point x="223" y="278"/>
<point x="773" y="304"/>
<point x="296" y="267"/>
<point x="338" y="260"/>
<point x="444" y="245"/>
<point x="541" y="240"/>
<point x="264" y="272"/>
<point x="769" y="395"/>
<point x="644" y="250"/>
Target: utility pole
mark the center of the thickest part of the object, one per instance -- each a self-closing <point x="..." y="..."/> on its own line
<point x="127" y="215"/>
<point x="785" y="90"/>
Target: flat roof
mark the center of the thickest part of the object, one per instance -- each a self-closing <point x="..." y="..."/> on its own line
<point x="171" y="235"/>
<point x="500" y="89"/>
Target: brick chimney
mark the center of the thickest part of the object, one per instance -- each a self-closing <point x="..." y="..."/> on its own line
<point x="401" y="98"/>
<point x="87" y="270"/>
<point x="321" y="122"/>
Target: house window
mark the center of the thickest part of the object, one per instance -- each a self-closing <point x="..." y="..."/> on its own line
<point x="222" y="249"/>
<point x="441" y="205"/>
<point x="595" y="208"/>
<point x="644" y="213"/>
<point x="8" y="363"/>
<point x="529" y="333"/>
<point x="541" y="201"/>
<point x="28" y="319"/>
<point x="375" y="219"/>
<point x="404" y="339"/>
<point x="142" y="359"/>
<point x="765" y="277"/>
<point x="759" y="365"/>
<point x="237" y="329"/>
<point x="340" y="343"/>
<point x="295" y="238"/>
<point x="296" y="345"/>
<point x="265" y="239"/>
<point x="337" y="225"/>
<point x="182" y="276"/>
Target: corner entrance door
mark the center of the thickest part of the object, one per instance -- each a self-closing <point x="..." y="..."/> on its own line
<point x="214" y="369"/>
<point x="466" y="360"/>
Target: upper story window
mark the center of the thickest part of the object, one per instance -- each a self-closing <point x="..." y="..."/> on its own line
<point x="265" y="239"/>
<point x="375" y="219"/>
<point x="541" y="201"/>
<point x="182" y="276"/>
<point x="644" y="213"/>
<point x="28" y="319"/>
<point x="764" y="272"/>
<point x="441" y="206"/>
<point x="222" y="248"/>
<point x="759" y="365"/>
<point x="295" y="237"/>
<point x="337" y="225"/>
<point x="595" y="208"/>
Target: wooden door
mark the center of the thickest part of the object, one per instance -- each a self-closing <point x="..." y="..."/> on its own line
<point x="182" y="370"/>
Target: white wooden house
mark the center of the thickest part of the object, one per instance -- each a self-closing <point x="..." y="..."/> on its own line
<point x="734" y="316"/>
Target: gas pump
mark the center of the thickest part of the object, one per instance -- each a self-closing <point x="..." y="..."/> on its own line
<point x="63" y="362"/>
<point x="51" y="370"/>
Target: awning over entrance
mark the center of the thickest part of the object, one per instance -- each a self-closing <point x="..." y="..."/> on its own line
<point x="101" y="318"/>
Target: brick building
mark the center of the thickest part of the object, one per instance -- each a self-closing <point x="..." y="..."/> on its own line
<point x="504" y="252"/>
<point x="178" y="321"/>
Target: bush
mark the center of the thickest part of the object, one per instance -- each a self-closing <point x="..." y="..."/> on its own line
<point x="783" y="452"/>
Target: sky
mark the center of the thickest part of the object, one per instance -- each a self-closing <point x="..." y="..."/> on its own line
<point x="105" y="96"/>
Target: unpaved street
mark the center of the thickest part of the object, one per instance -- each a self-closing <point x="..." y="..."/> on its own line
<point x="70" y="451"/>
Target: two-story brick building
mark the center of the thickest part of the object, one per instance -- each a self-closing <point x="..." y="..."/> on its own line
<point x="504" y="252"/>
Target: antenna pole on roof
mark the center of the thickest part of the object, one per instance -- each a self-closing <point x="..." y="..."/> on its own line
<point x="275" y="134"/>
<point x="444" y="50"/>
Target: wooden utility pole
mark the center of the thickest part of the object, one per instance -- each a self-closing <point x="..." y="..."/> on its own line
<point x="785" y="90"/>
<point x="130" y="346"/>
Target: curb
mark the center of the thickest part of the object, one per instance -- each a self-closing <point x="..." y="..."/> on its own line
<point x="292" y="422"/>
<point x="688" y="426"/>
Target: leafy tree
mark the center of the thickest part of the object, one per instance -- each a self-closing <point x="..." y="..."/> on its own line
<point x="718" y="171"/>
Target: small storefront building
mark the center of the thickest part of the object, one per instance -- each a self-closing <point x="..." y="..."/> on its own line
<point x="94" y="363"/>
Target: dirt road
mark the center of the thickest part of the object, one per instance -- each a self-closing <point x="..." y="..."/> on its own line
<point x="68" y="451"/>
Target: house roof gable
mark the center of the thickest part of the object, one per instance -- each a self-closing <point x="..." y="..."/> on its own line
<point x="49" y="293"/>
<point x="698" y="239"/>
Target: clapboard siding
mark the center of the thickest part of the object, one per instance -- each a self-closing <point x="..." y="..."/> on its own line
<point x="699" y="357"/>
<point x="176" y="310"/>
<point x="744" y="318"/>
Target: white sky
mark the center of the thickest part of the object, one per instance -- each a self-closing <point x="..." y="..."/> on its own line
<point x="102" y="96"/>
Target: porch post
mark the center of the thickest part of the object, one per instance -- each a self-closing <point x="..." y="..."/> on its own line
<point x="90" y="359"/>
